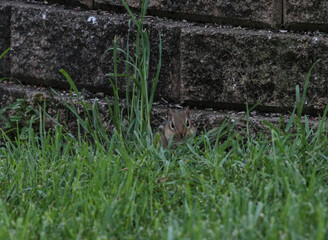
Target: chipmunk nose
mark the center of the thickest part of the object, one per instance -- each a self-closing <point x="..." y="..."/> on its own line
<point x="181" y="134"/>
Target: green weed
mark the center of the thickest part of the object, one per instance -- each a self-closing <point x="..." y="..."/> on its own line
<point x="139" y="97"/>
<point x="1" y="56"/>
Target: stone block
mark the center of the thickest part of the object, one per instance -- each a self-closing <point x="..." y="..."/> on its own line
<point x="226" y="68"/>
<point x="239" y="12"/>
<point x="46" y="39"/>
<point x="306" y="15"/>
<point x="5" y="13"/>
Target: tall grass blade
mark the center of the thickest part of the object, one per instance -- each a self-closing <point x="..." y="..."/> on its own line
<point x="4" y="53"/>
<point x="301" y="102"/>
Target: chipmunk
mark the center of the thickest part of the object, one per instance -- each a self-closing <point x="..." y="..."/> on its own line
<point x="178" y="127"/>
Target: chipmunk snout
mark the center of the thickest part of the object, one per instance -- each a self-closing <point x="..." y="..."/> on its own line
<point x="181" y="134"/>
<point x="178" y="127"/>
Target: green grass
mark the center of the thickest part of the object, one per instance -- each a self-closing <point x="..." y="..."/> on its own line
<point x="55" y="186"/>
<point x="218" y="185"/>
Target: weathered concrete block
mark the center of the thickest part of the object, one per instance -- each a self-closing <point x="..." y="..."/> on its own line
<point x="5" y="13"/>
<point x="306" y="15"/>
<point x="46" y="39"/>
<point x="238" y="12"/>
<point x="229" y="67"/>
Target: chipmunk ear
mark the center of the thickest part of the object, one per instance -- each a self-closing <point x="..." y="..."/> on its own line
<point x="187" y="112"/>
<point x="171" y="113"/>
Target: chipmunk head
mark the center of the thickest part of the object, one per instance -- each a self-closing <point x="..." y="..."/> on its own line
<point x="179" y="125"/>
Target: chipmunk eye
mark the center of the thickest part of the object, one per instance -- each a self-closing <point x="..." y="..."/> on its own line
<point x="172" y="126"/>
<point x="187" y="123"/>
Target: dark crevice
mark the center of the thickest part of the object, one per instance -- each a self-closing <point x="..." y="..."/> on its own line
<point x="283" y="13"/>
<point x="5" y="42"/>
<point x="220" y="106"/>
<point x="209" y="19"/>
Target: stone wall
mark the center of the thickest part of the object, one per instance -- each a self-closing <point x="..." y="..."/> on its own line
<point x="216" y="53"/>
<point x="292" y="14"/>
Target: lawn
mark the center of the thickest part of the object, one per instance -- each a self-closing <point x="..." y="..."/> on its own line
<point x="218" y="185"/>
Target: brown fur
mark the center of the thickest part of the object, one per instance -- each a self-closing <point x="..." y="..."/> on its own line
<point x="178" y="127"/>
